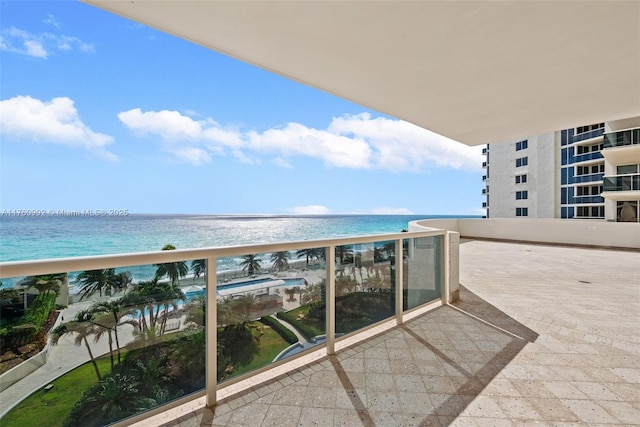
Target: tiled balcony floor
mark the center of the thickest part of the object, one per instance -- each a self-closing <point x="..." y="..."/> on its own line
<point x="542" y="335"/>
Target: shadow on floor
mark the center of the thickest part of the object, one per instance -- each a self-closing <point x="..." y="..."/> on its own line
<point x="424" y="372"/>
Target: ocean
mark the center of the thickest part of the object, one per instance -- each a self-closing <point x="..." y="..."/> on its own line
<point x="45" y="237"/>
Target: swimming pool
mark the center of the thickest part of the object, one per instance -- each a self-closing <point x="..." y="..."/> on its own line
<point x="227" y="287"/>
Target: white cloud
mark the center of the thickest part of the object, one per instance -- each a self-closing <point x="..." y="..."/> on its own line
<point x="298" y="140"/>
<point x="15" y="40"/>
<point x="51" y="20"/>
<point x="309" y="210"/>
<point x="196" y="140"/>
<point x="401" y="146"/>
<point x="57" y="122"/>
<point x="351" y="141"/>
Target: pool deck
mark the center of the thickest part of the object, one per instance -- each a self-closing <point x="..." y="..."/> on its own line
<point x="542" y="335"/>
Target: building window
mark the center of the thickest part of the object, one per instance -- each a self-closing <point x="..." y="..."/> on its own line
<point x="586" y="170"/>
<point x="626" y="169"/>
<point x="521" y="179"/>
<point x="522" y="195"/>
<point x="584" y="149"/>
<point x="522" y="161"/>
<point x="522" y="145"/>
<point x="583" y="129"/>
<point x="590" y="212"/>
<point x="522" y="211"/>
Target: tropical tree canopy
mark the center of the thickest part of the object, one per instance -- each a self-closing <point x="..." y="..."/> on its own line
<point x="44" y="283"/>
<point x="199" y="267"/>
<point x="280" y="260"/>
<point x="344" y="253"/>
<point x="251" y="264"/>
<point x="93" y="281"/>
<point x="173" y="270"/>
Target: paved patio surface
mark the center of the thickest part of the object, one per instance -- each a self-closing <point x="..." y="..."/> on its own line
<point x="542" y="335"/>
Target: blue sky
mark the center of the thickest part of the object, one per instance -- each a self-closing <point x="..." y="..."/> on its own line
<point x="98" y="112"/>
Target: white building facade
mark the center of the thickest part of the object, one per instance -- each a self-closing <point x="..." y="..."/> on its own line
<point x="587" y="172"/>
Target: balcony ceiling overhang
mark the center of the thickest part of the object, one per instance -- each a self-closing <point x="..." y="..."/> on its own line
<point x="622" y="155"/>
<point x="474" y="71"/>
<point x="621" y="196"/>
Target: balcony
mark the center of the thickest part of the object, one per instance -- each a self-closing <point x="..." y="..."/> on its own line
<point x="484" y="164"/>
<point x="621" y="187"/>
<point x="595" y="133"/>
<point x="485" y="204"/>
<point x="484" y="177"/>
<point x="166" y="321"/>
<point x="485" y="151"/>
<point x="535" y="359"/>
<point x="485" y="191"/>
<point x="622" y="138"/>
<point x="466" y="362"/>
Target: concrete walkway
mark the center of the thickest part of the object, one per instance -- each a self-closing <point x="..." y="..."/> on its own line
<point x="62" y="358"/>
<point x="542" y="335"/>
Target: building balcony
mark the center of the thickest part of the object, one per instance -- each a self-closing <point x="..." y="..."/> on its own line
<point x="204" y="332"/>
<point x="440" y="362"/>
<point x="592" y="134"/>
<point x="485" y="151"/>
<point x="485" y="191"/>
<point x="622" y="138"/>
<point x="623" y="153"/>
<point x="485" y="204"/>
<point x="484" y="177"/>
<point x="484" y="164"/>
<point x="621" y="187"/>
<point x="586" y="157"/>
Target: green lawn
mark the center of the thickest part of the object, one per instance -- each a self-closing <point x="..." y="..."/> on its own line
<point x="53" y="405"/>
<point x="268" y="347"/>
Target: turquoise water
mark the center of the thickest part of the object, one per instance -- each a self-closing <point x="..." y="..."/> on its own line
<point x="31" y="238"/>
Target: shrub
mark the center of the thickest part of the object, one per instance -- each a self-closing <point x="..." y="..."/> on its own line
<point x="285" y="333"/>
<point x="309" y="332"/>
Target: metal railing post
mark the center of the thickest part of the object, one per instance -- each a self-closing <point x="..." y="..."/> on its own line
<point x="330" y="302"/>
<point x="445" y="261"/>
<point x="211" y="325"/>
<point x="399" y="274"/>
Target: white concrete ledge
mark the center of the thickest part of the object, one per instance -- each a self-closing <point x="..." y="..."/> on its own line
<point x="555" y="231"/>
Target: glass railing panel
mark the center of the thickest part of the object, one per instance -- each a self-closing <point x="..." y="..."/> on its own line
<point x="365" y="284"/>
<point x="131" y="339"/>
<point x="622" y="138"/>
<point x="622" y="183"/>
<point x="422" y="270"/>
<point x="270" y="306"/>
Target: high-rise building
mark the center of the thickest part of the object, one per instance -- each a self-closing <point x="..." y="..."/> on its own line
<point x="586" y="172"/>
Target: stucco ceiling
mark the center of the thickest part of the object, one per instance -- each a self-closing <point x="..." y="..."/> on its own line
<point x="477" y="71"/>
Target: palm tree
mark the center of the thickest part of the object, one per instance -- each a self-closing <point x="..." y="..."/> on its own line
<point x="96" y="280"/>
<point x="174" y="270"/>
<point x="309" y="254"/>
<point x="123" y="279"/>
<point x="291" y="293"/>
<point x="343" y="253"/>
<point x="115" y="310"/>
<point x="199" y="267"/>
<point x="82" y="328"/>
<point x="251" y="264"/>
<point x="46" y="283"/>
<point x="115" y="398"/>
<point x="280" y="260"/>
